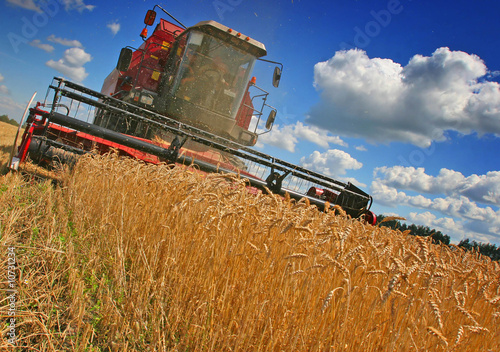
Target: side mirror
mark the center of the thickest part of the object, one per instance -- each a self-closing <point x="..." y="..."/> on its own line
<point x="270" y="119"/>
<point x="150" y="18"/>
<point x="276" y="76"/>
<point x="124" y="60"/>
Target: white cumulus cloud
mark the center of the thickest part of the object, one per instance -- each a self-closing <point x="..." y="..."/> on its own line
<point x="317" y="135"/>
<point x="45" y="47"/>
<point x="66" y="42"/>
<point x="78" y="5"/>
<point x="71" y="64"/>
<point x="281" y="137"/>
<point x="457" y="229"/>
<point x="25" y="4"/>
<point x="333" y="162"/>
<point x="480" y="188"/>
<point x="288" y="136"/>
<point x="383" y="101"/>
<point x="484" y="221"/>
<point x="114" y="27"/>
<point x="3" y="88"/>
<point x="11" y="107"/>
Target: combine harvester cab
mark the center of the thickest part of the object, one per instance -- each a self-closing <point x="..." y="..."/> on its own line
<point x="184" y="97"/>
<point x="199" y="76"/>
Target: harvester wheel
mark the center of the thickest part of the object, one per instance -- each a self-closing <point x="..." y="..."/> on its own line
<point x="370" y="217"/>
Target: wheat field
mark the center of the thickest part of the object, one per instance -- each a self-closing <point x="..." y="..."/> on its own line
<point x="7" y="135"/>
<point x="123" y="256"/>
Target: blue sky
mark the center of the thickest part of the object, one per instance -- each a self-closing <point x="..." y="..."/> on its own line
<point x="398" y="96"/>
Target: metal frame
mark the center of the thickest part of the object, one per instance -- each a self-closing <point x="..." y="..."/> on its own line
<point x="353" y="200"/>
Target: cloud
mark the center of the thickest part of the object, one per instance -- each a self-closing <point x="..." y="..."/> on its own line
<point x="460" y="206"/>
<point x="382" y="101"/>
<point x="71" y="64"/>
<point x="361" y="148"/>
<point x="288" y="136"/>
<point x="45" y="47"/>
<point x="3" y="88"/>
<point x="317" y="135"/>
<point x="10" y="107"/>
<point x="78" y="5"/>
<point x="480" y="220"/>
<point x="25" y="4"/>
<point x="114" y="27"/>
<point x="65" y="42"/>
<point x="283" y="138"/>
<point x="456" y="229"/>
<point x="431" y="220"/>
<point x="445" y="225"/>
<point x="480" y="188"/>
<point x="388" y="196"/>
<point x="463" y="207"/>
<point x="333" y="162"/>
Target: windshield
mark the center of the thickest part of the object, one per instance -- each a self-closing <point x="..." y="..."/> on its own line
<point x="213" y="74"/>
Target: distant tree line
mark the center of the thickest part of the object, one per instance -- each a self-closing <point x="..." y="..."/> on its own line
<point x="5" y="118"/>
<point x="486" y="249"/>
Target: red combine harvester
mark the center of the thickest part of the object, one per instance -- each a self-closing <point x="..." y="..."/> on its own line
<point x="185" y="96"/>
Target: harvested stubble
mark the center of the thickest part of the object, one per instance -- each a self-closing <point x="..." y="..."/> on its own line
<point x="135" y="257"/>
